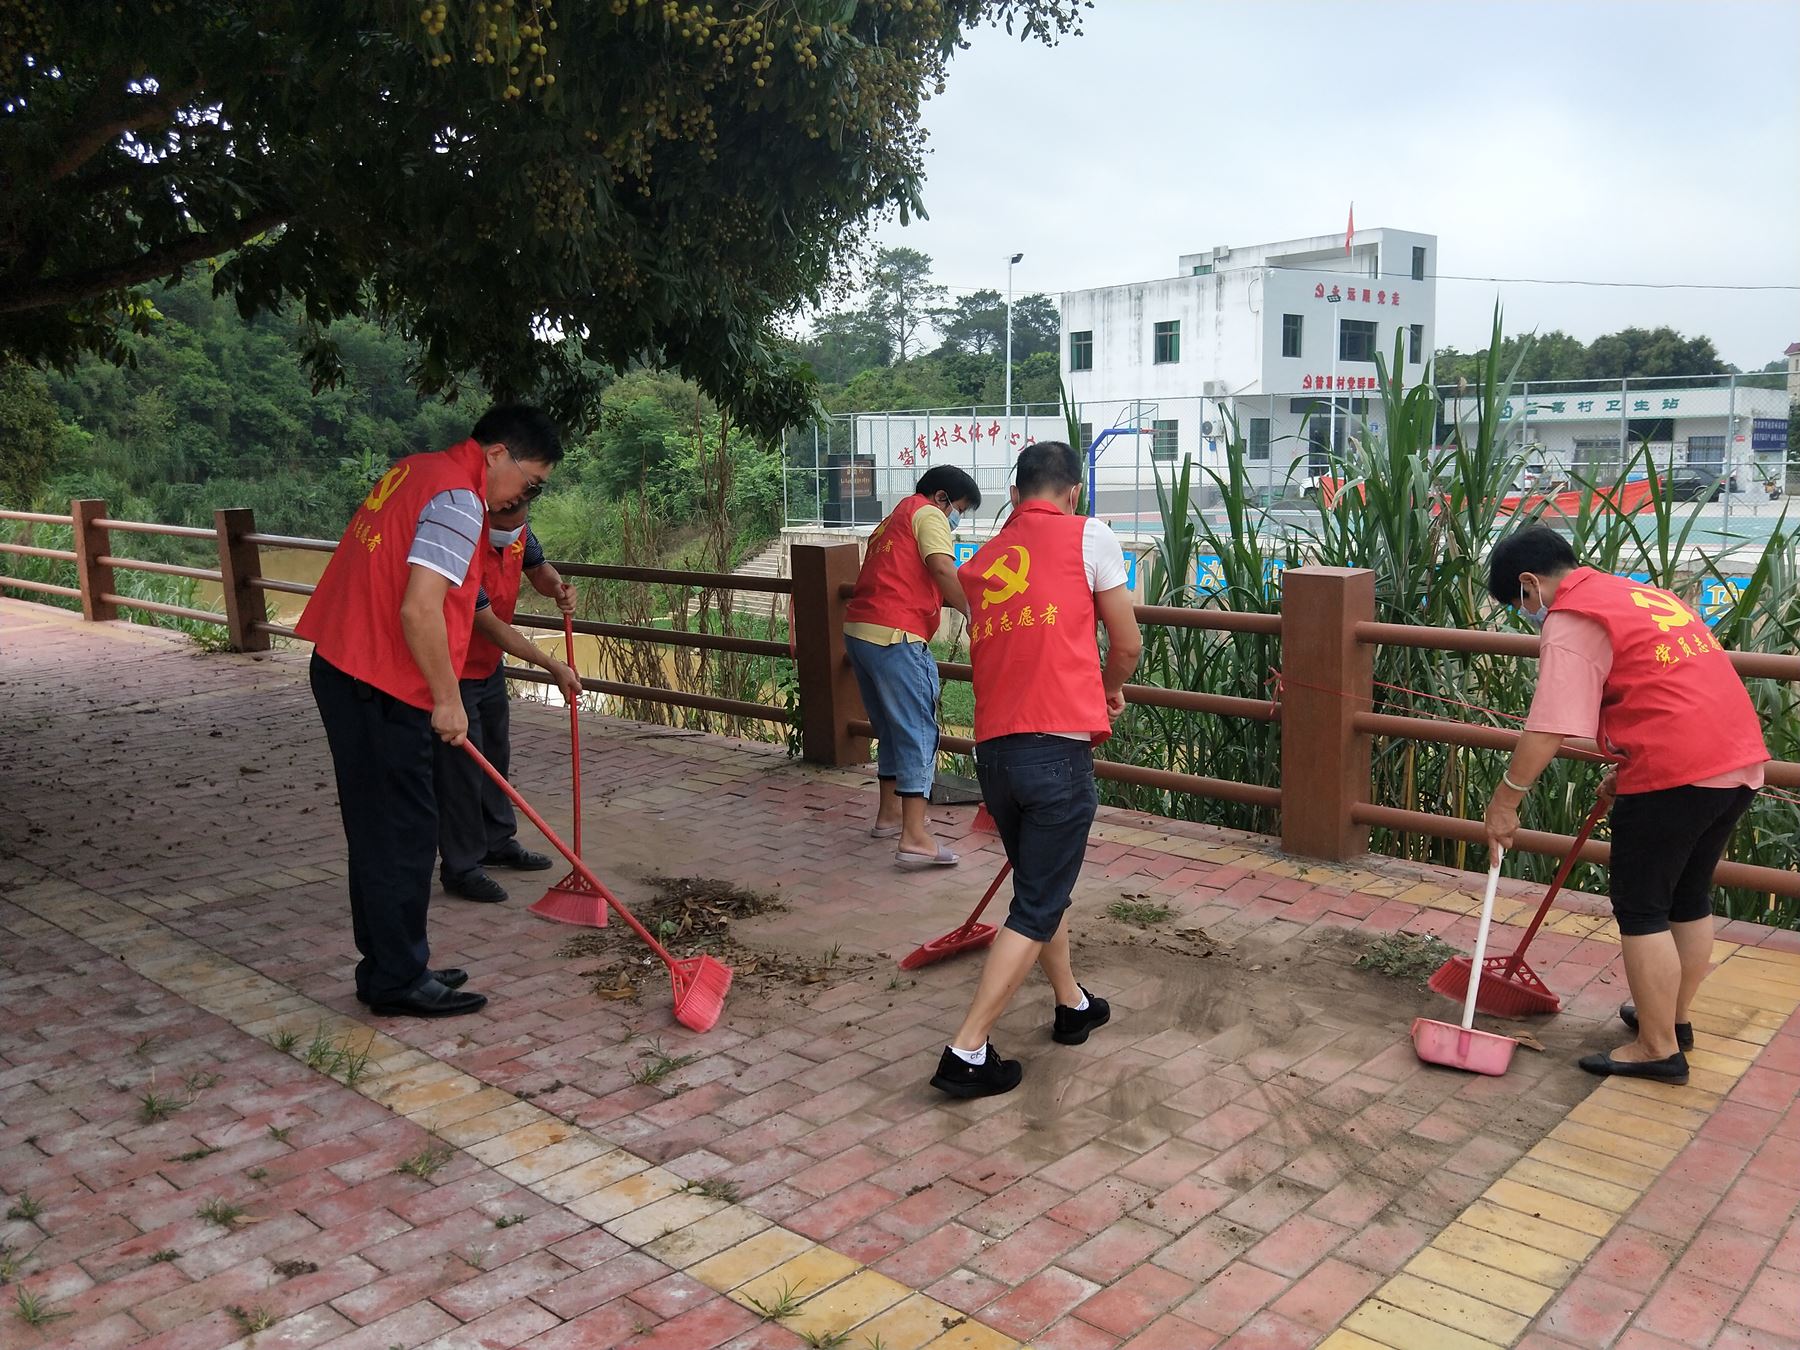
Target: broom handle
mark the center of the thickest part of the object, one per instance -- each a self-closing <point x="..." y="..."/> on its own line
<point x="575" y="861"/>
<point x="993" y="888"/>
<point x="1517" y="959"/>
<point x="574" y="727"/>
<point x="1481" y="937"/>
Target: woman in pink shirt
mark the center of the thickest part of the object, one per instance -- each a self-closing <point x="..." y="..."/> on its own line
<point x="1636" y="669"/>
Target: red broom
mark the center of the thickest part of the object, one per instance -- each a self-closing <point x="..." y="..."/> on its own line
<point x="970" y="937"/>
<point x="701" y="982"/>
<point x="1509" y="987"/>
<point x="570" y="900"/>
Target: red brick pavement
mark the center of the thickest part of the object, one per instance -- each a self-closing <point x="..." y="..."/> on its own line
<point x="1211" y="1169"/>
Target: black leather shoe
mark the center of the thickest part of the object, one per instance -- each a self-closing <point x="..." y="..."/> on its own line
<point x="1684" y="1031"/>
<point x="519" y="858"/>
<point x="453" y="978"/>
<point x="474" y="885"/>
<point x="1673" y="1070"/>
<point x="431" y="999"/>
<point x="1072" y="1025"/>
<point x="989" y="1078"/>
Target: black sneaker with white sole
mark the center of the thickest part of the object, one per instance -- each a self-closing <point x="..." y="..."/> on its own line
<point x="989" y="1078"/>
<point x="1073" y="1024"/>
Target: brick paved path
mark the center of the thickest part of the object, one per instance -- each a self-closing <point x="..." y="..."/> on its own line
<point x="1249" y="1156"/>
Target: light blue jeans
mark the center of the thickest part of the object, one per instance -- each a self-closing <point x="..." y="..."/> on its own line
<point x="899" y="685"/>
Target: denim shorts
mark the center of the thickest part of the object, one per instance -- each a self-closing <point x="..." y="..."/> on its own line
<point x="899" y="685"/>
<point x="1040" y="791"/>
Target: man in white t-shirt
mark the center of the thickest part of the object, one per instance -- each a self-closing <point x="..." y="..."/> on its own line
<point x="1044" y="698"/>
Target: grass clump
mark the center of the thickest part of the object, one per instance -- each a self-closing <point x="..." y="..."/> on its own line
<point x="221" y="1211"/>
<point x="26" y="1207"/>
<point x="1412" y="957"/>
<point x="1139" y="913"/>
<point x="785" y="1302"/>
<point x="32" y="1310"/>
<point x="659" y="1064"/>
<point x="426" y="1162"/>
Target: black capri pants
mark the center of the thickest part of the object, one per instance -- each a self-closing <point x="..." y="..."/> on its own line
<point x="1665" y="845"/>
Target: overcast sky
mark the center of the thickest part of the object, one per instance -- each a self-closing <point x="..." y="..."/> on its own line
<point x="1628" y="141"/>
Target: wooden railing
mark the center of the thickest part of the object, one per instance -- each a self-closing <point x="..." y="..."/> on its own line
<point x="1324" y="704"/>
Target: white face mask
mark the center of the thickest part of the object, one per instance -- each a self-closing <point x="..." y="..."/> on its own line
<point x="504" y="538"/>
<point x="1535" y="617"/>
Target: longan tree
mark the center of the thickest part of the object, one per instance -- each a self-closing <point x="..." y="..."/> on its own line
<point x="531" y="190"/>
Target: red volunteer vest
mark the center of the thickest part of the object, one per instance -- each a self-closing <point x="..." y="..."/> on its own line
<point x="1031" y="629"/>
<point x="353" y="618"/>
<point x="1673" y="707"/>
<point x="894" y="588"/>
<point x="501" y="571"/>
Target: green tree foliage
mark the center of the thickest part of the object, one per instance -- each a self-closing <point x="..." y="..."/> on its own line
<point x="532" y="192"/>
<point x="1630" y="353"/>
<point x="31" y="433"/>
<point x="902" y="297"/>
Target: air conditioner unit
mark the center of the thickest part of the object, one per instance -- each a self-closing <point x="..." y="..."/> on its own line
<point x="1215" y="389"/>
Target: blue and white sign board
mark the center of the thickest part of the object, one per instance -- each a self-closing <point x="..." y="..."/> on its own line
<point x="966" y="551"/>
<point x="1716" y="597"/>
<point x="1209" y="574"/>
<point x="1768" y="433"/>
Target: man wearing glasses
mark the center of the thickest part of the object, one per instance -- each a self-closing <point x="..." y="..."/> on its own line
<point x="390" y="623"/>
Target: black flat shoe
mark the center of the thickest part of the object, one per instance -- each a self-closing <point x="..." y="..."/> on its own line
<point x="453" y="978"/>
<point x="1072" y="1024"/>
<point x="1673" y="1070"/>
<point x="475" y="885"/>
<point x="1684" y="1031"/>
<point x="431" y="999"/>
<point x="989" y="1078"/>
<point x="519" y="858"/>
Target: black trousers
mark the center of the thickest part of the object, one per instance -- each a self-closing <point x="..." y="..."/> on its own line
<point x="474" y="817"/>
<point x="381" y="749"/>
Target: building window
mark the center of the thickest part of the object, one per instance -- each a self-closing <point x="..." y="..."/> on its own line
<point x="1203" y="269"/>
<point x="1081" y="350"/>
<point x="1291" y="325"/>
<point x="1259" y="438"/>
<point x="1356" y="339"/>
<point x="1087" y="436"/>
<point x="1168" y="342"/>
<point x="1165" y="438"/>
<point x="1415" y="343"/>
<point x="1418" y="264"/>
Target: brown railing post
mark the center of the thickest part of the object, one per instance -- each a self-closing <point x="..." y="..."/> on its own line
<point x="240" y="560"/>
<point x="1327" y="678"/>
<point x="91" y="544"/>
<point x="829" y="700"/>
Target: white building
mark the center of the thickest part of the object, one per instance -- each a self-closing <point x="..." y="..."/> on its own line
<point x="1265" y="334"/>
<point x="1258" y="334"/>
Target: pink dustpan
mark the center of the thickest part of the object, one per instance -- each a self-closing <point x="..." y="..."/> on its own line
<point x="1463" y="1047"/>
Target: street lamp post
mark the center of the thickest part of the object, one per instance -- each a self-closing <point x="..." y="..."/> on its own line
<point x="1010" y="263"/>
<point x="1336" y="342"/>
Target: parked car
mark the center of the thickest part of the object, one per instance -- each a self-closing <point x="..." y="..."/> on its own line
<point x="1693" y="487"/>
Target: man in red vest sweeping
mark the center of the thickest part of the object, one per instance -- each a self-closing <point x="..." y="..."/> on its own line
<point x="390" y="623"/>
<point x="1635" y="668"/>
<point x="1043" y="700"/>
<point x="476" y="826"/>
<point x="908" y="578"/>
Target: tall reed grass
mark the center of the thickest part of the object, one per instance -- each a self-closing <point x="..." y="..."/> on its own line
<point x="1420" y="509"/>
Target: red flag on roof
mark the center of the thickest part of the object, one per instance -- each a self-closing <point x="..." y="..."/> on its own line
<point x="1350" y="229"/>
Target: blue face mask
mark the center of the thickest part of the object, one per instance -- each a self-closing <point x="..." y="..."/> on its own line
<point x="504" y="538"/>
<point x="954" y="517"/>
<point x="1535" y="617"/>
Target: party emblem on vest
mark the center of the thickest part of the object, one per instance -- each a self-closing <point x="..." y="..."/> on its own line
<point x="518" y="545"/>
<point x="1665" y="609"/>
<point x="389" y="484"/>
<point x="1011" y="578"/>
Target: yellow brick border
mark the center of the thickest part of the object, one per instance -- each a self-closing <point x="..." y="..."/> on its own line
<point x="1499" y="1264"/>
<point x="725" y="1246"/>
